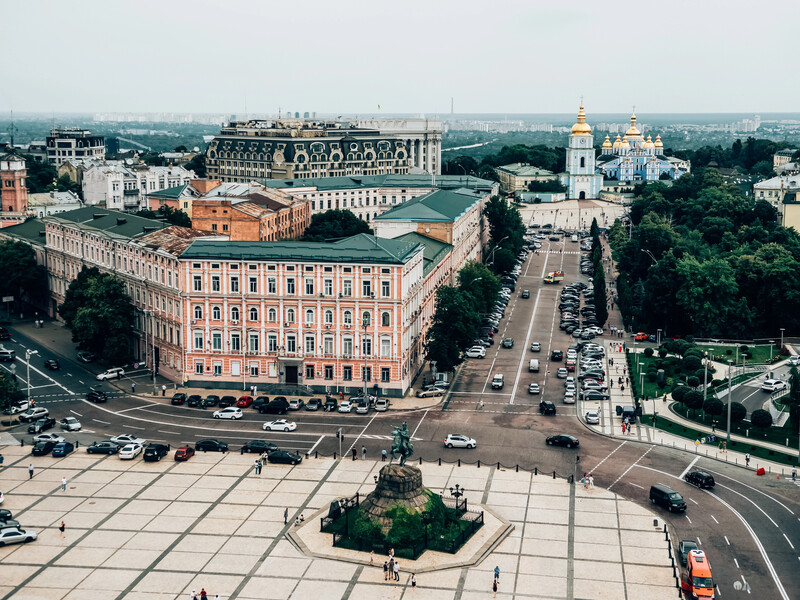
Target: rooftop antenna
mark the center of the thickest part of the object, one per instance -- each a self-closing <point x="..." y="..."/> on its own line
<point x="12" y="129"/>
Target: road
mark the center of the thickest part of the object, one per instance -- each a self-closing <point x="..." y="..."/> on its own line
<point x="748" y="526"/>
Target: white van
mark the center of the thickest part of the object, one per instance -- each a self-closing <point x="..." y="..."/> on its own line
<point x="574" y="237"/>
<point x="498" y="382"/>
<point x="533" y="366"/>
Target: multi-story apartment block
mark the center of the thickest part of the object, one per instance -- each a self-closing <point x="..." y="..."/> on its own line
<point x="297" y="149"/>
<point x="124" y="188"/>
<point x="74" y="142"/>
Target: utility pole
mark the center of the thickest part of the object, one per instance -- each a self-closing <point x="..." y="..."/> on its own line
<point x="28" y="354"/>
<point x="728" y="428"/>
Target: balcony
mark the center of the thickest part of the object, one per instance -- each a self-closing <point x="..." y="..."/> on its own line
<point x="134" y="192"/>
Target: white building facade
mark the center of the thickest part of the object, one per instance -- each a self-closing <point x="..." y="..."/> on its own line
<point x="124" y="188"/>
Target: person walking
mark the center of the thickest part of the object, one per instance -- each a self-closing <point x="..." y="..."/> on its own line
<point x="413" y="581"/>
<point x="285" y="516"/>
<point x="391" y="566"/>
<point x="257" y="466"/>
<point x="494" y="588"/>
<point x="355" y="453"/>
<point x="61" y="528"/>
<point x="591" y="480"/>
<point x="133" y="387"/>
<point x="747" y="460"/>
<point x="497" y="573"/>
<point x="363" y="453"/>
<point x="396" y="571"/>
<point x="385" y="571"/>
<point x="372" y="557"/>
<point x="30" y="471"/>
<point x="164" y="390"/>
<point x="203" y="594"/>
<point x="63" y="484"/>
<point x="383" y="455"/>
<point x="794" y="474"/>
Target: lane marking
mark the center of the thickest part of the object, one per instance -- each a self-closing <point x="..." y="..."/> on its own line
<point x="169" y="432"/>
<point x="597" y="466"/>
<point x="525" y="348"/>
<point x="119" y="412"/>
<point x="75" y="412"/>
<point x="413" y="433"/>
<point x="135" y="427"/>
<point x="319" y="439"/>
<point x="103" y="422"/>
<point x="633" y="465"/>
<point x="715" y="520"/>
<point x="358" y="437"/>
<point x="727" y="541"/>
<point x="788" y="541"/>
<point x="753" y="489"/>
<point x="691" y="464"/>
<point x="736" y="562"/>
<point x="687" y="517"/>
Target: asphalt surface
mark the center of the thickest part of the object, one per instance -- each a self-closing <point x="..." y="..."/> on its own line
<point x="747" y="525"/>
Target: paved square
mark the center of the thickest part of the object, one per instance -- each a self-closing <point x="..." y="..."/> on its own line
<point x="155" y="531"/>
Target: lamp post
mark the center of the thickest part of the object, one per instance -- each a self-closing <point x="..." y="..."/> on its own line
<point x="658" y="337"/>
<point x="28" y="354"/>
<point x="728" y="427"/>
<point x="780" y="350"/>
<point x="153" y="347"/>
<point x="364" y="324"/>
<point x="496" y="246"/>
<point x="705" y="377"/>
<point x="650" y="254"/>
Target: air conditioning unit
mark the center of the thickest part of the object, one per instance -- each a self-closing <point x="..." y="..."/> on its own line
<point x="286" y="324"/>
<point x="340" y="294"/>
<point x="235" y="321"/>
<point x="372" y="295"/>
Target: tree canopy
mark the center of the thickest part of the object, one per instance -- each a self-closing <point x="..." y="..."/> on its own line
<point x="334" y="225"/>
<point x="22" y="277"/>
<point x="507" y="233"/>
<point x="455" y="323"/>
<point x="173" y="216"/>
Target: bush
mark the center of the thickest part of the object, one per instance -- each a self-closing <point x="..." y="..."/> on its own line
<point x="692" y="381"/>
<point x="679" y="393"/>
<point x="728" y="351"/>
<point x="648" y="352"/>
<point x="738" y="412"/>
<point x="406" y="526"/>
<point x="662" y="352"/>
<point x="691" y="363"/>
<point x="652" y="376"/>
<point x="365" y="528"/>
<point x="761" y="418"/>
<point x="743" y="348"/>
<point x="717" y="382"/>
<point x="693" y="400"/>
<point x="713" y="407"/>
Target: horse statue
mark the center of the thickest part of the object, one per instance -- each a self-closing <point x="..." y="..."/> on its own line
<point x="401" y="445"/>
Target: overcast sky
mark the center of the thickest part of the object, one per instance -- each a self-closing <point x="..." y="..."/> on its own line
<point x="408" y="56"/>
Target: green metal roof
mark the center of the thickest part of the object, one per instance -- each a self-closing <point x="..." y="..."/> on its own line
<point x="353" y="182"/>
<point x="524" y="170"/>
<point x="173" y="193"/>
<point x="441" y="205"/>
<point x="113" y="223"/>
<point x="31" y="231"/>
<point x="360" y="248"/>
<point x="434" y="251"/>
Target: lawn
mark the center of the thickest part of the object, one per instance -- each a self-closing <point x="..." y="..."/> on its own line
<point x="719" y="352"/>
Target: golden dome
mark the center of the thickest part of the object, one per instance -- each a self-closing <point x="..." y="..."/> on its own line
<point x="632" y="131"/>
<point x="625" y="143"/>
<point x="617" y="142"/>
<point x="658" y="143"/>
<point x="581" y="127"/>
<point x="607" y="143"/>
<point x="649" y="142"/>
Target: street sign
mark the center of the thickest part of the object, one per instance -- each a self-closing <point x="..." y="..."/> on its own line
<point x="8" y="298"/>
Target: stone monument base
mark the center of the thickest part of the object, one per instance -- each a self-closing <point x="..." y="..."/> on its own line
<point x="396" y="485"/>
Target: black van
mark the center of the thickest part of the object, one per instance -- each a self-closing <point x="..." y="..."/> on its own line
<point x="701" y="479"/>
<point x="278" y="406"/>
<point x="666" y="497"/>
<point x="155" y="452"/>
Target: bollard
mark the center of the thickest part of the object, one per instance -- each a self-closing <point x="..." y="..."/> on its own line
<point x="517" y="468"/>
<point x="334" y="455"/>
<point x="554" y="474"/>
<point x="440" y="461"/>
<point x="420" y="460"/>
<point x="316" y="454"/>
<point x="535" y="470"/>
<point x="498" y="465"/>
<point x="459" y="462"/>
<point x="479" y="464"/>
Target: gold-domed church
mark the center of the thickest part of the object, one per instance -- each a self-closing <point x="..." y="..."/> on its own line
<point x="581" y="177"/>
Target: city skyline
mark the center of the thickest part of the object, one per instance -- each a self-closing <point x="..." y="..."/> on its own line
<point x="205" y="57"/>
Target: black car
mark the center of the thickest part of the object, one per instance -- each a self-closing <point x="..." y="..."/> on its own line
<point x="259" y="402"/>
<point x="178" y="399"/>
<point x="227" y="401"/>
<point x="211" y="445"/>
<point x="5" y="515"/>
<point x="155" y="452"/>
<point x="701" y="479"/>
<point x="4" y="334"/>
<point x="107" y="447"/>
<point x="96" y="396"/>
<point x="212" y="400"/>
<point x="314" y="404"/>
<point x="41" y="425"/>
<point x="42" y="448"/>
<point x="594" y="395"/>
<point x="283" y="456"/>
<point x="684" y="547"/>
<point x="563" y="440"/>
<point x="508" y="343"/>
<point x="556" y="355"/>
<point x="278" y="406"/>
<point x="258" y="447"/>
<point x="194" y="400"/>
<point x="52" y="364"/>
<point x="547" y="408"/>
<point x="330" y="404"/>
<point x="598" y="375"/>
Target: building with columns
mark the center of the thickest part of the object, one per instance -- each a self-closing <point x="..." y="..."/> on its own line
<point x="581" y="179"/>
<point x="13" y="190"/>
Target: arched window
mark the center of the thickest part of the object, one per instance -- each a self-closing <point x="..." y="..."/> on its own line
<point x="328" y="317"/>
<point x="198" y="312"/>
<point x="216" y="313"/>
<point x="366" y="319"/>
<point x="235" y="313"/>
<point x="309" y="316"/>
<point x="253" y="312"/>
<point x="583" y="161"/>
<point x="272" y="315"/>
<point x="290" y="315"/>
<point x="348" y="317"/>
<point x="385" y="319"/>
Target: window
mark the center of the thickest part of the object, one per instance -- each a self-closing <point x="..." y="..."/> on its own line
<point x="385" y="372"/>
<point x="272" y="286"/>
<point x="198" y="340"/>
<point x="253" y="342"/>
<point x="216" y="313"/>
<point x="327" y="287"/>
<point x="309" y="371"/>
<point x="309" y="317"/>
<point x="347" y="373"/>
<point x="309" y="287"/>
<point x="272" y="315"/>
<point x="253" y="369"/>
<point x="347" y="346"/>
<point x="348" y="317"/>
<point x="328" y="317"/>
<point x="386" y="347"/>
<point x="216" y="341"/>
<point x="366" y="346"/>
<point x="328" y="345"/>
<point x="198" y="312"/>
<point x="234" y="285"/>
<point x="290" y="286"/>
<point x="385" y="289"/>
<point x="235" y="313"/>
<point x="291" y="344"/>
<point x="366" y="288"/>
<point x="197" y="284"/>
<point x="366" y="319"/>
<point x="328" y="371"/>
<point x="198" y="367"/>
<point x="290" y="315"/>
<point x="366" y="373"/>
<point x="253" y="313"/>
<point x="385" y="319"/>
<point x="272" y="343"/>
<point x="347" y="287"/>
<point x="236" y="342"/>
<point x="215" y="283"/>
<point x="310" y="344"/>
<point x="253" y="285"/>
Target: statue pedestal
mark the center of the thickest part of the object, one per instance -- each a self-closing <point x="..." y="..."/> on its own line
<point x="396" y="485"/>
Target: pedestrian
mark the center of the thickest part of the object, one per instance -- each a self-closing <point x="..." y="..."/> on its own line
<point x="355" y="453"/>
<point x="396" y="571"/>
<point x="164" y="390"/>
<point x="413" y="581"/>
<point x="591" y="480"/>
<point x="627" y="381"/>
<point x="494" y="588"/>
<point x="391" y="566"/>
<point x="623" y="428"/>
<point x="61" y="528"/>
<point x="385" y="571"/>
<point x="383" y="455"/>
<point x="203" y="594"/>
<point x="585" y="480"/>
<point x="713" y="427"/>
<point x="63" y="484"/>
<point x="194" y="595"/>
<point x="622" y="388"/>
<point x="611" y="384"/>
<point x="285" y="516"/>
<point x="257" y="466"/>
<point x="30" y="471"/>
<point x="747" y="460"/>
<point x="497" y="573"/>
<point x="372" y="557"/>
<point x="297" y="522"/>
<point x="133" y="387"/>
<point x="302" y="518"/>
<point x="480" y="405"/>
<point x="363" y="452"/>
<point x="794" y="474"/>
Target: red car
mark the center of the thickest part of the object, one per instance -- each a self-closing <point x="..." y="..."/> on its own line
<point x="184" y="453"/>
<point x="4" y="335"/>
<point x="244" y="401"/>
<point x="641" y="336"/>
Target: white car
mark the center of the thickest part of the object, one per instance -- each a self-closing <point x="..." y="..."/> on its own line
<point x="130" y="451"/>
<point x="127" y="438"/>
<point x="381" y="405"/>
<point x="115" y="373"/>
<point x="346" y="406"/>
<point x="428" y="392"/>
<point x="15" y="535"/>
<point x="572" y="355"/>
<point x="279" y="425"/>
<point x="562" y="373"/>
<point x="229" y="412"/>
<point x="476" y="352"/>
<point x="456" y="440"/>
<point x="595" y="330"/>
<point x="569" y="398"/>
<point x="773" y="385"/>
<point x="48" y="437"/>
<point x="569" y="381"/>
<point x="592" y="417"/>
<point x="533" y="388"/>
<point x="570" y="387"/>
<point x="794" y="360"/>
<point x="591" y="384"/>
<point x="70" y="424"/>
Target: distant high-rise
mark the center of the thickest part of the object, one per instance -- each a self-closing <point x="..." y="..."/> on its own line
<point x="69" y="143"/>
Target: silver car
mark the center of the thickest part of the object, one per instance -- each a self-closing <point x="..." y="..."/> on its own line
<point x="15" y="535"/>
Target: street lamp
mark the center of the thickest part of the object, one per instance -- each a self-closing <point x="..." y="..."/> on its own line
<point x="705" y="377"/>
<point x="650" y="254"/>
<point x="28" y="354"/>
<point x="728" y="428"/>
<point x="780" y="350"/>
<point x="153" y="347"/>
<point x="364" y="324"/>
<point x="658" y="337"/>
<point x="496" y="246"/>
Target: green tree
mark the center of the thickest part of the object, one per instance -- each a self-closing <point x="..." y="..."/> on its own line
<point x="713" y="407"/>
<point x="198" y="165"/>
<point x="181" y="148"/>
<point x="693" y="400"/>
<point x="40" y="175"/>
<point x="173" y="216"/>
<point x="99" y="313"/>
<point x="455" y="321"/>
<point x="9" y="391"/>
<point x="333" y="225"/>
<point x="64" y="184"/>
<point x="505" y="225"/>
<point x="761" y="419"/>
<point x="679" y="393"/>
<point x="480" y="284"/>
<point x="793" y="397"/>
<point x="503" y="260"/>
<point x="550" y="185"/>
<point x="738" y="412"/>
<point x="22" y="277"/>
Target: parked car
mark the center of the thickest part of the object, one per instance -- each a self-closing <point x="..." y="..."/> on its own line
<point x="533" y="388"/>
<point x="456" y="440"/>
<point x="331" y="404"/>
<point x="498" y="381"/>
<point x="296" y="404"/>
<point x="33" y="414"/>
<point x="314" y="404"/>
<point x="562" y="373"/>
<point x="211" y="445"/>
<point x="128" y="438"/>
<point x="594" y="395"/>
<point x="382" y="404"/>
<point x="258" y="447"/>
<point x="641" y="336"/>
<point x="556" y="355"/>
<point x="567" y="441"/>
<point x="362" y="408"/>
<point x="684" y="547"/>
<point x="429" y="392"/>
<point x="345" y="406"/>
<point x="244" y="401"/>
<point x="284" y="456"/>
<point x="52" y="364"/>
<point x="113" y="373"/>
<point x="231" y="412"/>
<point x="280" y="425"/>
<point x="194" y="401"/>
<point x="259" y="402"/>
<point x="547" y="408"/>
<point x="107" y="447"/>
<point x="155" y="452"/>
<point x="476" y="352"/>
<point x="130" y="451"/>
<point x="278" y="406"/>
<point x="700" y="479"/>
<point x="178" y="399"/>
<point x="15" y="535"/>
<point x="226" y="401"/>
<point x="592" y="417"/>
<point x="184" y="453"/>
<point x="48" y="437"/>
<point x="96" y="396"/>
<point x="212" y="400"/>
<point x="42" y="448"/>
<point x="62" y="449"/>
<point x="85" y="357"/>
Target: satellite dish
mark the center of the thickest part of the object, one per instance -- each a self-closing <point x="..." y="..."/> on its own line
<point x="128" y="161"/>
